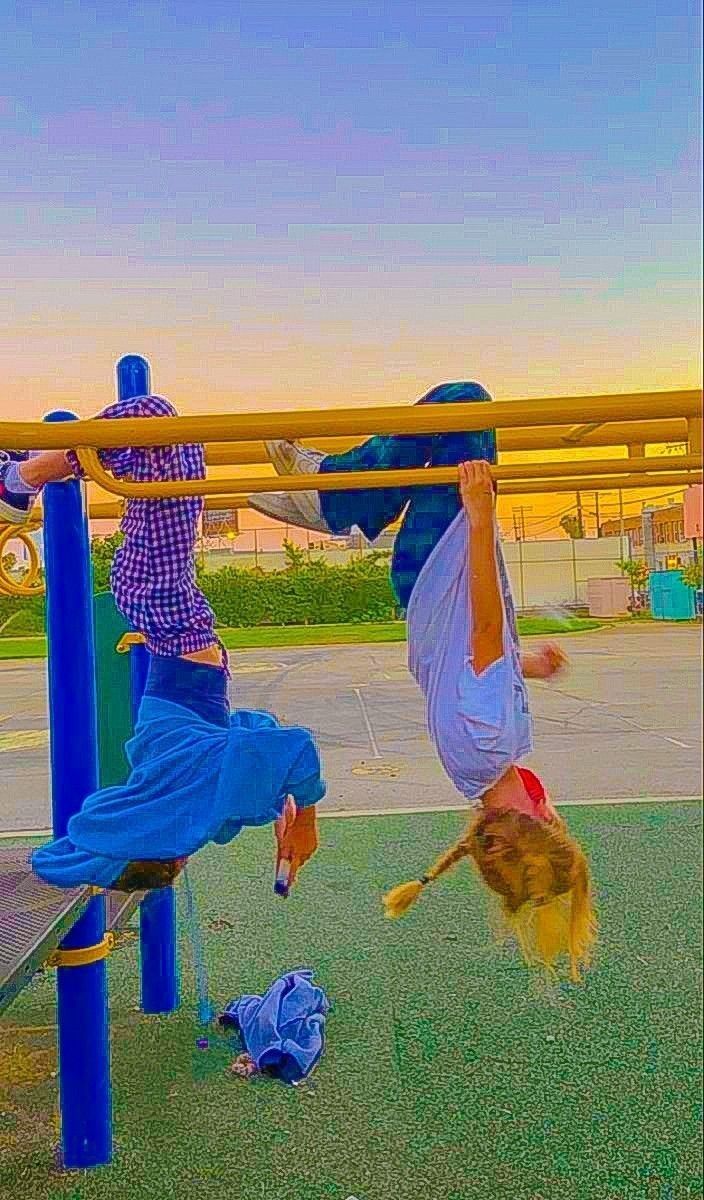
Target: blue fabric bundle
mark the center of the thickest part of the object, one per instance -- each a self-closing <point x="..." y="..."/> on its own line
<point x="284" y="1030"/>
<point x="191" y="782"/>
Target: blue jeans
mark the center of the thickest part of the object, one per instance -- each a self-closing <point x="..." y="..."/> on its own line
<point x="197" y="686"/>
<point x="429" y="510"/>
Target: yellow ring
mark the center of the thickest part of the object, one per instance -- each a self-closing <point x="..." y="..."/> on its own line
<point x="31" y="585"/>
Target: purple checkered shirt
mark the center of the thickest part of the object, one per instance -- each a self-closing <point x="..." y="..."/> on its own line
<point x="153" y="572"/>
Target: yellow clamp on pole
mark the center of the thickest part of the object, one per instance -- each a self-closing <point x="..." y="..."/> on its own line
<point x="83" y="956"/>
<point x="130" y="639"/>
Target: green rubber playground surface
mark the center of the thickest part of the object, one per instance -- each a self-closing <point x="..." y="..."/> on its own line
<point x="450" y="1072"/>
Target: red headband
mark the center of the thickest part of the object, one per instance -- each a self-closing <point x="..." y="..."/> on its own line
<point x="535" y="790"/>
<point x="532" y="784"/>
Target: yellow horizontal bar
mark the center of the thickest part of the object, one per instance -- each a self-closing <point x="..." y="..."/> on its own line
<point x="549" y="437"/>
<point x="662" y="464"/>
<point x="424" y="418"/>
<point x="112" y="510"/>
<point x="351" y="480"/>
<point x="601" y="483"/>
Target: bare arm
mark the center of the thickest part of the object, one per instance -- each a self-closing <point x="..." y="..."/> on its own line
<point x="549" y="660"/>
<point x="484" y="599"/>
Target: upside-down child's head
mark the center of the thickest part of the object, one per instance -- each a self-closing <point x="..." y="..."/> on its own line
<point x="538" y="872"/>
<point x="542" y="878"/>
<point x="145" y="874"/>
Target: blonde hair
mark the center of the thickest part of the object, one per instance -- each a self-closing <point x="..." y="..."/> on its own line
<point x="540" y="874"/>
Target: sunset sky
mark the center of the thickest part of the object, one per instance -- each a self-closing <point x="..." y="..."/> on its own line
<point x="323" y="203"/>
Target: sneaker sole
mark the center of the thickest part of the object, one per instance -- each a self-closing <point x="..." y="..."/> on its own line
<point x="11" y="515"/>
<point x="282" y="467"/>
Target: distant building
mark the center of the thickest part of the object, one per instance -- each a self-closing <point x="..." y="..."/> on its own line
<point x="670" y="547"/>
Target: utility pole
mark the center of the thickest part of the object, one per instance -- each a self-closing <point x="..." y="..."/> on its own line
<point x="598" y="517"/>
<point x="521" y="509"/>
<point x="622" y="523"/>
<point x="647" y="516"/>
<point x="580" y="517"/>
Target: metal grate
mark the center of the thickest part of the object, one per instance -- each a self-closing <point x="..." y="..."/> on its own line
<point x="35" y="917"/>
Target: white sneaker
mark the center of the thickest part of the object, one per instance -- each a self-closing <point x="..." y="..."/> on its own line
<point x="293" y="508"/>
<point x="290" y="458"/>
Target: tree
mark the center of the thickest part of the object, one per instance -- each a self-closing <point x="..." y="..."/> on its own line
<point x="572" y="525"/>
<point x="295" y="556"/>
<point x="102" y="552"/>
<point x="637" y="571"/>
<point x="692" y="574"/>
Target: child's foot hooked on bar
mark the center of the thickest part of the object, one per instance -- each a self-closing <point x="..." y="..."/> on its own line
<point x="16" y="496"/>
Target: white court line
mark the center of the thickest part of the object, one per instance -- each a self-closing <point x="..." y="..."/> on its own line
<point x="24" y="833"/>
<point x="424" y="809"/>
<point x="372" y="740"/>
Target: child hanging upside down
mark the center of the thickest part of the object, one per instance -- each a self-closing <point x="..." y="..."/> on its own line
<point x="448" y="571"/>
<point x="198" y="772"/>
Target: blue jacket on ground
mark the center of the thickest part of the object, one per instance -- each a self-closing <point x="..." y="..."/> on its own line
<point x="190" y="783"/>
<point x="284" y="1030"/>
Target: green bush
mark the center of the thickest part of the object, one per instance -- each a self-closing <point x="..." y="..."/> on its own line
<point x="315" y="593"/>
<point x="31" y="609"/>
<point x="102" y="553"/>
<point x="692" y="574"/>
<point x="302" y="593"/>
<point x="24" y="623"/>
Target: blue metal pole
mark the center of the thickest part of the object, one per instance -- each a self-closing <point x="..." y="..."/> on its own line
<point x="159" y="981"/>
<point x="133" y="377"/>
<point x="158" y="953"/>
<point x="158" y="944"/>
<point x="82" y="998"/>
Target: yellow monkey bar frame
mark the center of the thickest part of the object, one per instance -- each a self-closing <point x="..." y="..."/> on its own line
<point x="418" y="419"/>
<point x="334" y="481"/>
<point x="631" y="419"/>
<point x="546" y="437"/>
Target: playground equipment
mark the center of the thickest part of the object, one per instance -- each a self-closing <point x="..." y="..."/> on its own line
<point x="641" y="467"/>
<point x="637" y="470"/>
<point x="654" y="417"/>
<point x="546" y="437"/>
<point x="73" y="931"/>
<point x="30" y="584"/>
<point x="352" y="421"/>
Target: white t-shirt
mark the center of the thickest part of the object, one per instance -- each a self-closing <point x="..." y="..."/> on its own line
<point x="479" y="725"/>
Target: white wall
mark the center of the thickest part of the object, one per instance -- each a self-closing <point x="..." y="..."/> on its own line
<point x="545" y="573"/>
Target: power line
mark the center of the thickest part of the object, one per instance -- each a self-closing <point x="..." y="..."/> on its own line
<point x="562" y="512"/>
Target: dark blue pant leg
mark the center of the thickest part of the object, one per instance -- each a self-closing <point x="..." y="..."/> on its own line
<point x="430" y="509"/>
